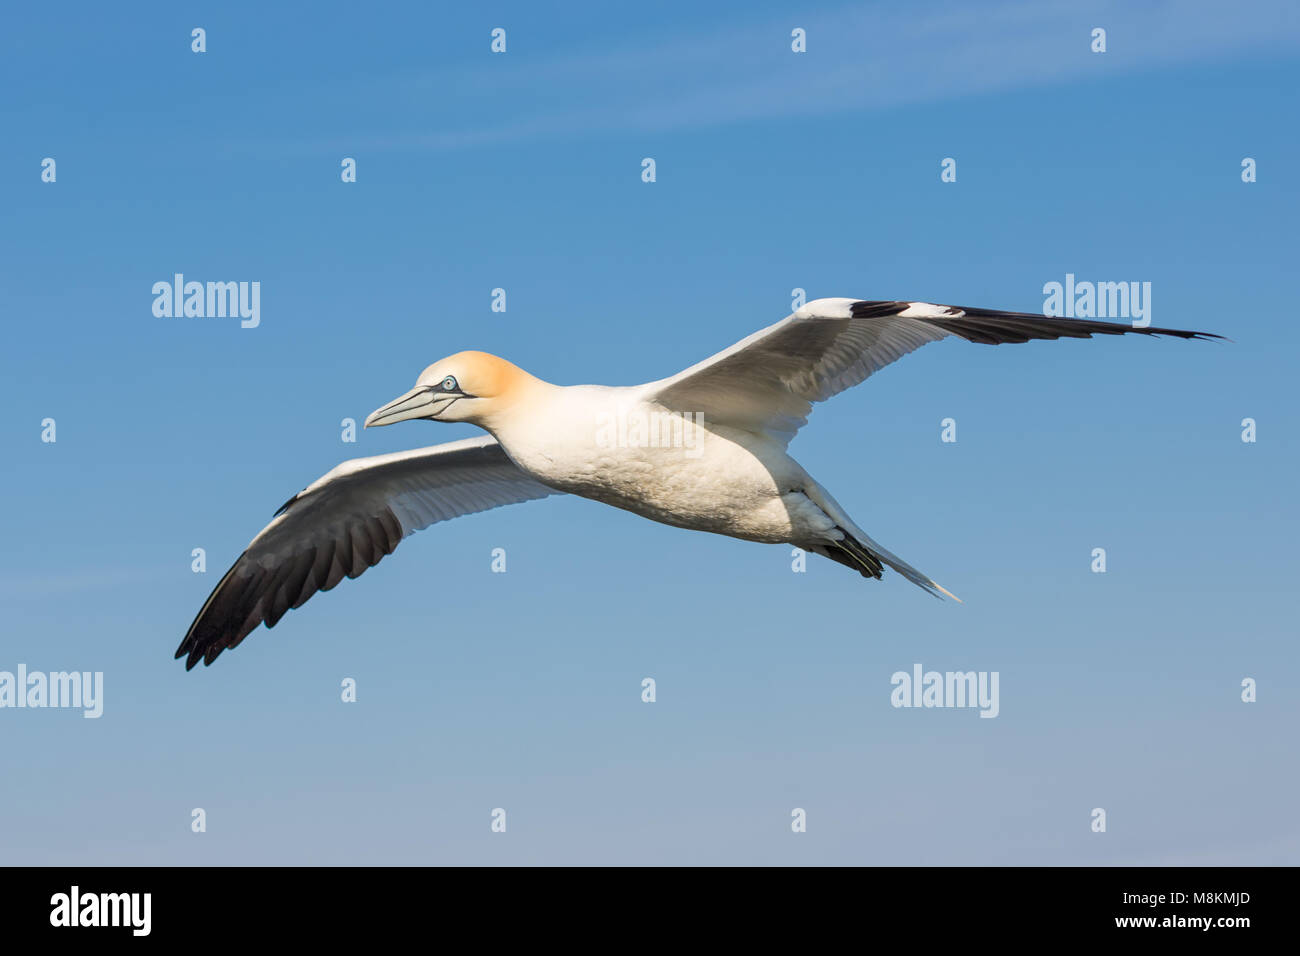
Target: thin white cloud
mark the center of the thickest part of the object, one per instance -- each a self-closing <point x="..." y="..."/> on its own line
<point x="862" y="58"/>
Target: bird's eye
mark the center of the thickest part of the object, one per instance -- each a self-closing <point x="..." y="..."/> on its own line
<point x="449" y="384"/>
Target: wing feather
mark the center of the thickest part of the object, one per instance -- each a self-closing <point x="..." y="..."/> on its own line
<point x="769" y="381"/>
<point x="346" y="522"/>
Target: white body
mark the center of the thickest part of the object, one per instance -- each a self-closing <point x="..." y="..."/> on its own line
<point x="584" y="440"/>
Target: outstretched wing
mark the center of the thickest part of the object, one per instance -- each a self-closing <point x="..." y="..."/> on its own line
<point x="345" y="522"/>
<point x="768" y="382"/>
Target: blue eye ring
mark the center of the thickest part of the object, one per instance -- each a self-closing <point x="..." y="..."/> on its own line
<point x="449" y="384"/>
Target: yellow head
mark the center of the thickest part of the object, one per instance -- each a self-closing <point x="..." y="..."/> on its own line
<point x="465" y="387"/>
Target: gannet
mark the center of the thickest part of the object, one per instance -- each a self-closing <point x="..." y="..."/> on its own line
<point x="736" y="478"/>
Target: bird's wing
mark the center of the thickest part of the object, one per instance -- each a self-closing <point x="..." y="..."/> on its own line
<point x="768" y="382"/>
<point x="345" y="522"/>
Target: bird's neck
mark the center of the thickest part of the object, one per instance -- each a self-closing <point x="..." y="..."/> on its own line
<point x="524" y="408"/>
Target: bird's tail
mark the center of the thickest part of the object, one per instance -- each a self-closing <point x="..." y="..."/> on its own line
<point x="856" y="550"/>
<point x="863" y="555"/>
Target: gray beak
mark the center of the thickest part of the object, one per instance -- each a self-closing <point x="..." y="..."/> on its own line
<point x="419" y="402"/>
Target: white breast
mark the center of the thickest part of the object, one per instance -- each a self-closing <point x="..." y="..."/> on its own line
<point x="610" y="445"/>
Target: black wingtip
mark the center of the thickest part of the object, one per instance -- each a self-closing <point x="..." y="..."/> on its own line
<point x="1183" y="334"/>
<point x="194" y="653"/>
<point x="188" y="651"/>
<point x="994" y="327"/>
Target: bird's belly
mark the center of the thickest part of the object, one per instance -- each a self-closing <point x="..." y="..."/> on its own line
<point x="720" y="485"/>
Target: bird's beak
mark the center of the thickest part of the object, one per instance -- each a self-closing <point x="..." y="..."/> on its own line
<point x="419" y="402"/>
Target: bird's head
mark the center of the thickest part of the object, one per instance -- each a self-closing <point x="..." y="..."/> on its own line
<point x="466" y="387"/>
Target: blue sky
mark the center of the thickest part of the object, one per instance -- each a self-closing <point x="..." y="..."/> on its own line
<point x="775" y="171"/>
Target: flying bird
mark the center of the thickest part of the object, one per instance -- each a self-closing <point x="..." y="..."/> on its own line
<point x="704" y="449"/>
